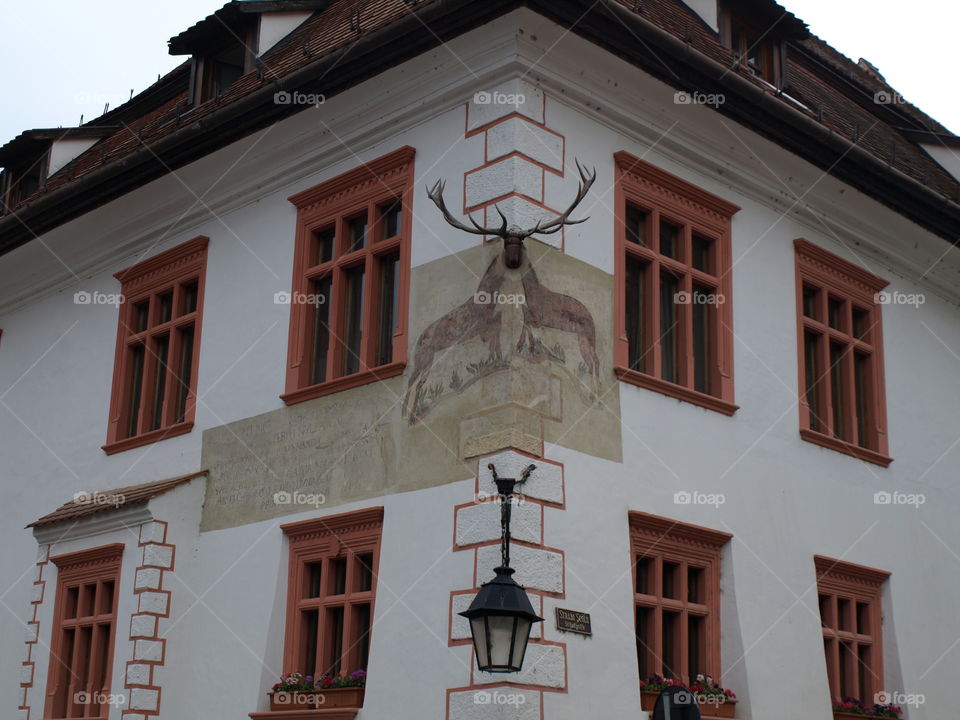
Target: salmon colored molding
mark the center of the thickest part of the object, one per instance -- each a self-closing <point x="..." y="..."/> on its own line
<point x="34" y="638"/>
<point x="656" y="191"/>
<point x="362" y="189"/>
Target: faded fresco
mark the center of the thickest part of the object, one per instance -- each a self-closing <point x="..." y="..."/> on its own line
<point x="498" y="357"/>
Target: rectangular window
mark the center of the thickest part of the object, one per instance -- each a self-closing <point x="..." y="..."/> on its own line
<point x="84" y="624"/>
<point x="333" y="582"/>
<point x="851" y="623"/>
<point x="674" y="325"/>
<point x="348" y="306"/>
<point x="158" y="340"/>
<point x="840" y="355"/>
<point x="756" y="44"/>
<point x="676" y="597"/>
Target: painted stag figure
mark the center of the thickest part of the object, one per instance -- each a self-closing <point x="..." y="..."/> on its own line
<point x="469" y="320"/>
<point x="542" y="308"/>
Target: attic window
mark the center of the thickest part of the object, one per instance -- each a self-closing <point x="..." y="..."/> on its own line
<point x="754" y="44"/>
<point x="216" y="72"/>
<point x="20" y="182"/>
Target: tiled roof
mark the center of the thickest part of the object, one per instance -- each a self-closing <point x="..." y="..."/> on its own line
<point x="90" y="503"/>
<point x="837" y="93"/>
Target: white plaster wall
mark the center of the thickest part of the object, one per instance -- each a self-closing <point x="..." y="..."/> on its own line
<point x="65" y="150"/>
<point x="274" y="27"/>
<point x="785" y="499"/>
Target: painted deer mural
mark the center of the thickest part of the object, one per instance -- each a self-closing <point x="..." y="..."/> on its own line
<point x="542" y="307"/>
<point x="545" y="308"/>
<point x="465" y="322"/>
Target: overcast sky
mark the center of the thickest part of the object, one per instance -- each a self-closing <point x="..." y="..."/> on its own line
<point x="63" y="58"/>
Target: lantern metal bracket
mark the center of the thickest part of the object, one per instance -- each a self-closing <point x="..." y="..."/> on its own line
<point x="505" y="488"/>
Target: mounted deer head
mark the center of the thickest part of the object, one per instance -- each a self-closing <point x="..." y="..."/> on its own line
<point x="514" y="236"/>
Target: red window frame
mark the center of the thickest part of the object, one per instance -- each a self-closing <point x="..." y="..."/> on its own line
<point x="331" y="592"/>
<point x="162" y="307"/>
<point x="70" y="677"/>
<point x="697" y="219"/>
<point x="851" y="618"/>
<point x="676" y="574"/>
<point x="834" y="299"/>
<point x="329" y="207"/>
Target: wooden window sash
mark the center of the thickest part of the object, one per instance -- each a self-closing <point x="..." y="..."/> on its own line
<point x="327" y="546"/>
<point x="832" y="277"/>
<point x="663" y="197"/>
<point x="168" y="273"/>
<point x="364" y="192"/>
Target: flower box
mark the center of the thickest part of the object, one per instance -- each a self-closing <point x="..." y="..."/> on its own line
<point x="349" y="697"/>
<point x="725" y="709"/>
<point x="837" y="715"/>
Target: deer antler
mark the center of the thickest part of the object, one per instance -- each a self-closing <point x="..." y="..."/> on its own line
<point x="586" y="181"/>
<point x="436" y="194"/>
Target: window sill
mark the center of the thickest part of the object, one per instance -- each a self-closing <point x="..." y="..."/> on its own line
<point x="675" y="391"/>
<point x="147" y="438"/>
<point x="321" y="714"/>
<point x="344" y="383"/>
<point x="871" y="456"/>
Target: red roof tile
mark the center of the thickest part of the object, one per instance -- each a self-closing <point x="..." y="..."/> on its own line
<point x="90" y="503"/>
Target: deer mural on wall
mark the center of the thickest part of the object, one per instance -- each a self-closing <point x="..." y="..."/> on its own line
<point x="542" y="307"/>
<point x="465" y="322"/>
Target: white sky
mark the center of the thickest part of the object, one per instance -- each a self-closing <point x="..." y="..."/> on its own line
<point x="62" y="58"/>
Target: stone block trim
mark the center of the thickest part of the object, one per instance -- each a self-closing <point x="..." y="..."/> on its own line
<point x="536" y="142"/>
<point x="153" y="603"/>
<point x="32" y="632"/>
<point x="479" y="521"/>
<point x="539" y="567"/>
<point x="545" y="484"/>
<point x="513" y="97"/>
<point x="511" y="176"/>
<point x="519" y="150"/>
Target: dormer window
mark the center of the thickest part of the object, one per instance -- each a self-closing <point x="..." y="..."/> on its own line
<point x="20" y="182"/>
<point x="34" y="155"/>
<point x="757" y="32"/>
<point x="752" y="45"/>
<point x="217" y="72"/>
<point x="225" y="44"/>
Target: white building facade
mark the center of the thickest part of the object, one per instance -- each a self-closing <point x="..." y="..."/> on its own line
<point x="325" y="377"/>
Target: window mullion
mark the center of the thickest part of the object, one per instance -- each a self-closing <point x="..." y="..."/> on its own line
<point x="172" y="386"/>
<point x="367" y="332"/>
<point x="335" y="321"/>
<point x="823" y="383"/>
<point x="653" y="319"/>
<point x="685" y="332"/>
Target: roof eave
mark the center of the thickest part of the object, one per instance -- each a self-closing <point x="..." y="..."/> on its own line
<point x="607" y="24"/>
